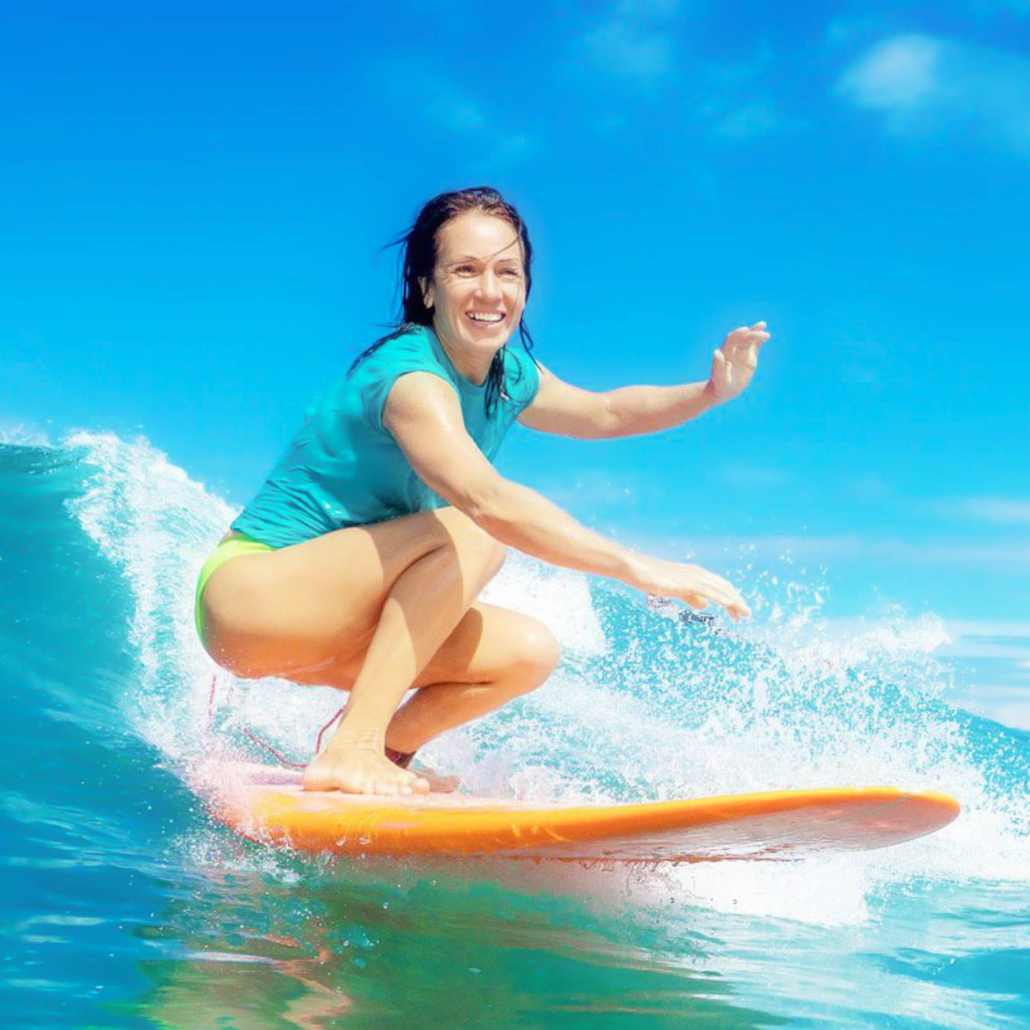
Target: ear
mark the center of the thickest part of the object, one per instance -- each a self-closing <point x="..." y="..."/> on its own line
<point x="427" y="292"/>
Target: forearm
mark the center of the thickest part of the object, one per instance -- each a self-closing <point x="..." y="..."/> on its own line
<point x="521" y="518"/>
<point x="635" y="410"/>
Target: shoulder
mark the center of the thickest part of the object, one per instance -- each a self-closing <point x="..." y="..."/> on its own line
<point x="399" y="354"/>
<point x="407" y="343"/>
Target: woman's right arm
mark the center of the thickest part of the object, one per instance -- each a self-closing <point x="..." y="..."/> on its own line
<point x="424" y="416"/>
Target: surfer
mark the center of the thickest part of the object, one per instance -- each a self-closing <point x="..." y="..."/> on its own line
<point x="359" y="563"/>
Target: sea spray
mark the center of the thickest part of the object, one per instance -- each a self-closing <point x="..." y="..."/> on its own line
<point x="644" y="705"/>
<point x="119" y="888"/>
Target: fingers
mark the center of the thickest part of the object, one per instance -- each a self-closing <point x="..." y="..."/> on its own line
<point x="746" y="337"/>
<point x="722" y="592"/>
<point x="696" y="587"/>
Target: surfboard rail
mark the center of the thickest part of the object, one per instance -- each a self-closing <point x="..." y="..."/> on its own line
<point x="774" y="824"/>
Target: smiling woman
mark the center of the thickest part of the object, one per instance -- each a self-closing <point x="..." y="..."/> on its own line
<point x="457" y="241"/>
<point x="360" y="561"/>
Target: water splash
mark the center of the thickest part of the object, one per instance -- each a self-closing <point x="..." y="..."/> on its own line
<point x="643" y="706"/>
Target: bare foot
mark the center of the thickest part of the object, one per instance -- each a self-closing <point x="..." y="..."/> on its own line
<point x="358" y="770"/>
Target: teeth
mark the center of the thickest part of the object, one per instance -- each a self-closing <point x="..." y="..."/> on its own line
<point x="478" y="316"/>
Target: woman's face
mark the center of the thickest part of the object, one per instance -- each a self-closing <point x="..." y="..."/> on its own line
<point x="478" y="289"/>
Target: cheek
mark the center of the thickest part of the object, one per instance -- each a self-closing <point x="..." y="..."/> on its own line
<point x="456" y="297"/>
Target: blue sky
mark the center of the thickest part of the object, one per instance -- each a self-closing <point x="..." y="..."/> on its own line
<point x="194" y="195"/>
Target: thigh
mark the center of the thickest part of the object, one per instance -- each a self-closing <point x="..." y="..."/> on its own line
<point x="489" y="643"/>
<point x="492" y="643"/>
<point x="312" y="604"/>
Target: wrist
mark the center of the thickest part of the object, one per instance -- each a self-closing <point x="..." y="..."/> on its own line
<point x="709" y="397"/>
<point x="631" y="569"/>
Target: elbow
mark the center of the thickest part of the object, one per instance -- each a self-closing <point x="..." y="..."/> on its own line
<point x="607" y="420"/>
<point x="486" y="504"/>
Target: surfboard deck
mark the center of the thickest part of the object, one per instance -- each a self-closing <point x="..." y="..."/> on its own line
<point x="267" y="805"/>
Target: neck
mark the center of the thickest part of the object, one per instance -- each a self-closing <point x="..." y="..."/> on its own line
<point x="475" y="366"/>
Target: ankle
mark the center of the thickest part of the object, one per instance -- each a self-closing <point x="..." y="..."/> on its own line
<point x="353" y="738"/>
<point x="400" y="744"/>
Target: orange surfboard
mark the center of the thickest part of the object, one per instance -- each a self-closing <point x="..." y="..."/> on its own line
<point x="268" y="805"/>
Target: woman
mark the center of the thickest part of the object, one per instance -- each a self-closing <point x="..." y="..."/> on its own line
<point x="359" y="562"/>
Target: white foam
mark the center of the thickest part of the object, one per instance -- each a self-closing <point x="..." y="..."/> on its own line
<point x="23" y="434"/>
<point x="157" y="526"/>
<point x="796" y="699"/>
<point x="557" y="596"/>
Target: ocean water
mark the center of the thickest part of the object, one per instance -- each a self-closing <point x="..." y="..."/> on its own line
<point x="126" y="905"/>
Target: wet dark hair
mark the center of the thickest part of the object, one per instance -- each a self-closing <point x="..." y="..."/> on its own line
<point x="418" y="256"/>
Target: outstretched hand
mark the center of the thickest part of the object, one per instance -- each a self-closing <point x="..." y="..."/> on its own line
<point x="734" y="363"/>
<point x="692" y="584"/>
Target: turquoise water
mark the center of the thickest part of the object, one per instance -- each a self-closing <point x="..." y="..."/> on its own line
<point x="124" y="905"/>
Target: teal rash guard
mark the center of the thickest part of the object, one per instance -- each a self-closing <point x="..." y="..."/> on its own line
<point x="343" y="468"/>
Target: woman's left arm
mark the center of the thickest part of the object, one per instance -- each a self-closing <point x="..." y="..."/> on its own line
<point x="635" y="410"/>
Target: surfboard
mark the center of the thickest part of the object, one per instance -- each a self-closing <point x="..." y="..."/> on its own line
<point x="267" y="805"/>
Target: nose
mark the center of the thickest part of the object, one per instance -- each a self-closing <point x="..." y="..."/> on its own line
<point x="489" y="286"/>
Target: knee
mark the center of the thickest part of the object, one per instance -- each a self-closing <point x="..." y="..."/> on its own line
<point x="539" y="654"/>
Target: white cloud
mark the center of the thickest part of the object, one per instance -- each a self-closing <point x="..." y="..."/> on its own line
<point x="992" y="628"/>
<point x="24" y="435"/>
<point x="446" y="108"/>
<point x="585" y="488"/>
<point x="629" y="52"/>
<point x="1013" y="715"/>
<point x="966" y="648"/>
<point x="735" y="102"/>
<point x="465" y="118"/>
<point x="634" y="44"/>
<point x="899" y="73"/>
<point x="637" y="47"/>
<point x="928" y="87"/>
<point x="1000" y="511"/>
<point x="996" y="557"/>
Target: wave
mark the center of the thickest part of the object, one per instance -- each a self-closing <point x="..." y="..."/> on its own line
<point x="643" y="705"/>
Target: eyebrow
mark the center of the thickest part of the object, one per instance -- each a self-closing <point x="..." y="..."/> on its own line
<point x="472" y="257"/>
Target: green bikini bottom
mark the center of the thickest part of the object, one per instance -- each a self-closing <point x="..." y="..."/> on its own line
<point x="225" y="551"/>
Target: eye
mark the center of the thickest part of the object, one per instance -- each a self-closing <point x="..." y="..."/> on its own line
<point x="511" y="273"/>
<point x="464" y="270"/>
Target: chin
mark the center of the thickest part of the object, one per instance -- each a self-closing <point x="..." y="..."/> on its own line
<point x="489" y="340"/>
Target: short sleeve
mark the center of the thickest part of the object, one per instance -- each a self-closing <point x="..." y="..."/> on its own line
<point x="383" y="367"/>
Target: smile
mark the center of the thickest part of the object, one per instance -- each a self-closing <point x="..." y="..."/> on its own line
<point x="485" y="317"/>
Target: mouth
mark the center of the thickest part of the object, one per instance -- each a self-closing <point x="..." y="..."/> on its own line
<point x="485" y="318"/>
